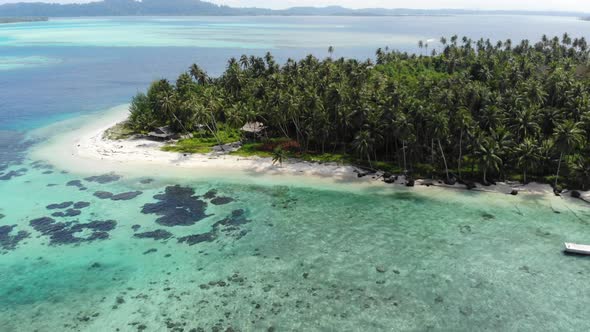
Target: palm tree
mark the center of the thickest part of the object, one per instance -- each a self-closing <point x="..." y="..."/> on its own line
<point x="528" y="156"/>
<point x="278" y="156"/>
<point x="568" y="136"/>
<point x="198" y="74"/>
<point x="524" y="123"/>
<point x="331" y="51"/>
<point x="489" y="157"/>
<point x="581" y="168"/>
<point x="363" y="144"/>
<point x="440" y="130"/>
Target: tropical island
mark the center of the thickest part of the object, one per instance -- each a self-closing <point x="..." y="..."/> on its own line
<point x="476" y="111"/>
<point x="4" y="20"/>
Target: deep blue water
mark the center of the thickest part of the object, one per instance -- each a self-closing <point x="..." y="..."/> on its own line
<point x="66" y="67"/>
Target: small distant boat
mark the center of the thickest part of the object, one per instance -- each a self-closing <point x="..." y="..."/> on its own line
<point x="577" y="248"/>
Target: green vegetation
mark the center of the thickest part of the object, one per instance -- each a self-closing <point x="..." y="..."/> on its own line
<point x="203" y="141"/>
<point x="120" y="131"/>
<point x="474" y="110"/>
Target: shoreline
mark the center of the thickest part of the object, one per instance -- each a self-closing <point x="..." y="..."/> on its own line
<point x="83" y="148"/>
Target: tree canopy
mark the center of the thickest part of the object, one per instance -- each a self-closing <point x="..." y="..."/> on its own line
<point x="472" y="109"/>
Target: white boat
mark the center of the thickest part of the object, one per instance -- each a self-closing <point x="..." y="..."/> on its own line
<point x="577" y="248"/>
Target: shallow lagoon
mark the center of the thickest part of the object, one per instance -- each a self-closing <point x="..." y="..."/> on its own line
<point x="288" y="257"/>
<point x="280" y="253"/>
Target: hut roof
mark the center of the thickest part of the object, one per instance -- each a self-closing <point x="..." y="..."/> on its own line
<point x="253" y="127"/>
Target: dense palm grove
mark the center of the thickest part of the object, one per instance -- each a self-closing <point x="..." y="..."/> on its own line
<point x="475" y="109"/>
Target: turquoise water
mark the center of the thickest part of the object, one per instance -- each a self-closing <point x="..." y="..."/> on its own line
<point x="154" y="252"/>
<point x="288" y="257"/>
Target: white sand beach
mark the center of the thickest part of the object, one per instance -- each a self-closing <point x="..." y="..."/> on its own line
<point x="80" y="146"/>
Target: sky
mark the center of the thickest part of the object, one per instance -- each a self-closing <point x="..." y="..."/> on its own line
<point x="561" y="5"/>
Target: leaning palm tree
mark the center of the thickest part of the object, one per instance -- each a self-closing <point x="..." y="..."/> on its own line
<point x="568" y="136"/>
<point x="528" y="156"/>
<point x="169" y="104"/>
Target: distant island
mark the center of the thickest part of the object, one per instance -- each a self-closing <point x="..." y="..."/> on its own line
<point x="203" y="8"/>
<point x="4" y="20"/>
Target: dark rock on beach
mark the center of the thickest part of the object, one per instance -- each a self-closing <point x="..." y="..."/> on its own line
<point x="177" y="206"/>
<point x="410" y="183"/>
<point x="576" y="194"/>
<point x="470" y="185"/>
<point x="514" y="192"/>
<point x="158" y="234"/>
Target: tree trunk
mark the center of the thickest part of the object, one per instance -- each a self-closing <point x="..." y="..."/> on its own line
<point x="405" y="164"/>
<point x="432" y="157"/>
<point x="485" y="178"/>
<point x="460" y="154"/>
<point x="558" y="168"/>
<point x="524" y="178"/>
<point x="444" y="160"/>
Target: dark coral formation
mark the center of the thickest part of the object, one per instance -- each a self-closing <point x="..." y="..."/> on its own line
<point x="221" y="200"/>
<point x="158" y="234"/>
<point x="59" y="206"/>
<point x="76" y="183"/>
<point x="103" y="194"/>
<point x="13" y="174"/>
<point x="198" y="238"/>
<point x="126" y="196"/>
<point x="177" y="206"/>
<point x="118" y="197"/>
<point x="146" y="181"/>
<point x="231" y="226"/>
<point x="68" y="213"/>
<point x="61" y="233"/>
<point x="104" y="178"/>
<point x="210" y="194"/>
<point x="81" y="205"/>
<point x="8" y="241"/>
<point x="40" y="164"/>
